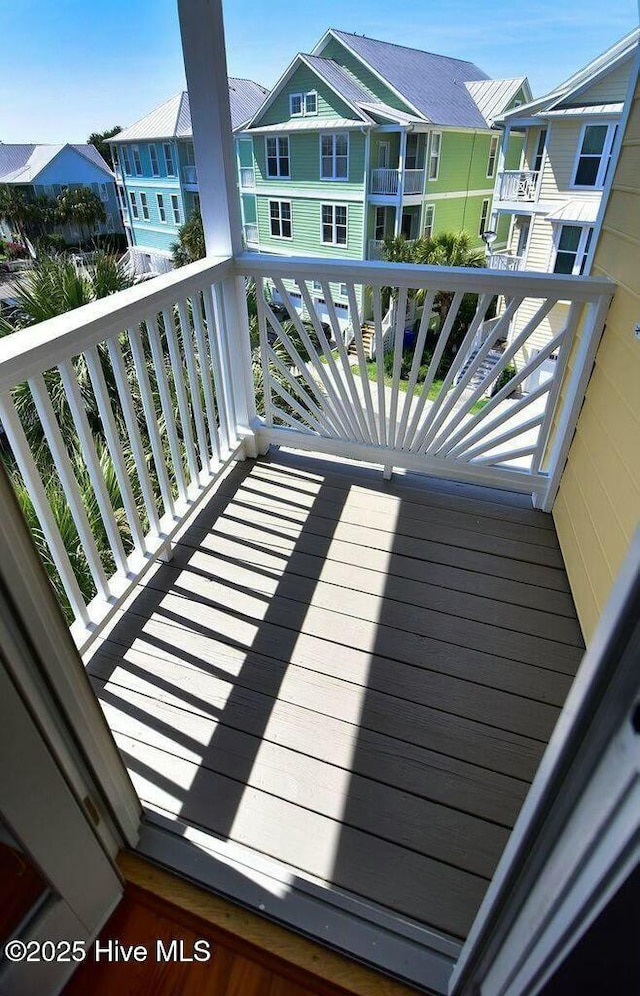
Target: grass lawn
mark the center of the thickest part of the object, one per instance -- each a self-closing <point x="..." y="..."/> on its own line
<point x="434" y="390"/>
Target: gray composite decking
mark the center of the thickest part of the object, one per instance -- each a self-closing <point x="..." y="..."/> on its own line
<point x="355" y="677"/>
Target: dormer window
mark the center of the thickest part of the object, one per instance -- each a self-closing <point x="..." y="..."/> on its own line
<point x="302" y="104"/>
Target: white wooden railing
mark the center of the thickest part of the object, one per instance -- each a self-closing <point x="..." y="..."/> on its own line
<point x="247" y="177"/>
<point x="413" y="181"/>
<point x="190" y="175"/>
<point x="519" y="185"/>
<point x="121" y="415"/>
<point x="140" y="387"/>
<point x="384" y="181"/>
<point x="504" y="261"/>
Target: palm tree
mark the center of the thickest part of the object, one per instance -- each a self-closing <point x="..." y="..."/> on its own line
<point x="190" y="245"/>
<point x="447" y="249"/>
<point x="80" y="206"/>
<point x="15" y="210"/>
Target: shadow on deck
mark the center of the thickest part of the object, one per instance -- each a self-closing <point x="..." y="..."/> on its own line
<point x="354" y="677"/>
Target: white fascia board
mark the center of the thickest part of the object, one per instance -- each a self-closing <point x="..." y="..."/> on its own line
<point x="364" y="62"/>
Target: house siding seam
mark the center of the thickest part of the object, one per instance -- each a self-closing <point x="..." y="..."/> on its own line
<point x="598" y="505"/>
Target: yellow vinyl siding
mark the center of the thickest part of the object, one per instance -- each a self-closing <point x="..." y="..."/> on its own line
<point x="611" y="89"/>
<point x="598" y="505"/>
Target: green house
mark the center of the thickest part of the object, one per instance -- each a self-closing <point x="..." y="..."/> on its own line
<point x="362" y="140"/>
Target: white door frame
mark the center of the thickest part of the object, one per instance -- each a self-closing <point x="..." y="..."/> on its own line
<point x="578" y="835"/>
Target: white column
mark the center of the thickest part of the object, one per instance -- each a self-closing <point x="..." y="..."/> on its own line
<point x="401" y="161"/>
<point x="502" y="155"/>
<point x="205" y="62"/>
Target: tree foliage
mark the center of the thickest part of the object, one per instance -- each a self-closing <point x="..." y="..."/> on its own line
<point x="190" y="245"/>
<point x="99" y="140"/>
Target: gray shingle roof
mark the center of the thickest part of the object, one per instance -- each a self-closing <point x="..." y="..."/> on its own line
<point x="172" y="118"/>
<point x="23" y="163"/>
<point x="433" y="84"/>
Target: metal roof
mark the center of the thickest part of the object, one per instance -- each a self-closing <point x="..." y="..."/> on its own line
<point x="340" y="79"/>
<point x="308" y="124"/>
<point x="575" y="210"/>
<point x="172" y="118"/>
<point x="24" y="163"/>
<point x="570" y="112"/>
<point x="492" y="96"/>
<point x="433" y="85"/>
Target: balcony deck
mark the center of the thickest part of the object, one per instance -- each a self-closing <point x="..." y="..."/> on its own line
<point x="354" y="677"/>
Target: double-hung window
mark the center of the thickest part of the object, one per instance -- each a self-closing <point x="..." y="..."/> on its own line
<point x="162" y="211"/>
<point x="572" y="248"/>
<point x="334" y="224"/>
<point x="126" y="159"/>
<point x="484" y="214"/>
<point x="594" y="154"/>
<point x="134" y="204"/>
<point x="280" y="219"/>
<point x="301" y="104"/>
<point x="145" y="206"/>
<point x="155" y="165"/>
<point x="168" y="159"/>
<point x="539" y="156"/>
<point x="434" y="154"/>
<point x="104" y="193"/>
<point x="278" y="163"/>
<point x="493" y="155"/>
<point x="429" y="218"/>
<point x="334" y="156"/>
<point x="175" y="207"/>
<point x="137" y="162"/>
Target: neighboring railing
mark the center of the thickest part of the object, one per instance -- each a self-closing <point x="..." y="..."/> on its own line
<point x="504" y="261"/>
<point x="120" y="416"/>
<point x="375" y="248"/>
<point x="247" y="177"/>
<point x="431" y="421"/>
<point x="413" y="181"/>
<point x="190" y="175"/>
<point x="519" y="185"/>
<point x="251" y="234"/>
<point x="384" y="181"/>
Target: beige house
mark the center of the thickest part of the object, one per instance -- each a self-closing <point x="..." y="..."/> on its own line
<point x="553" y="199"/>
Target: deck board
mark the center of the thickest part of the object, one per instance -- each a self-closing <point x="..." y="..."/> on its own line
<point x="357" y="678"/>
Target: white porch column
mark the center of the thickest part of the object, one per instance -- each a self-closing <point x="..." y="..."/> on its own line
<point x="205" y="63"/>
<point x="502" y="156"/>
<point x="402" y="157"/>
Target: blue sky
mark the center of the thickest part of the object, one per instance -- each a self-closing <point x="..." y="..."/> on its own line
<point x="70" y="67"/>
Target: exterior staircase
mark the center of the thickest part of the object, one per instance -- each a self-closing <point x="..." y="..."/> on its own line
<point x="368" y="341"/>
<point x="483" y="371"/>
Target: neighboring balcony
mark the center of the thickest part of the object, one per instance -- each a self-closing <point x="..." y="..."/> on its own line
<point x="251" y="234"/>
<point x="519" y="185"/>
<point x="190" y="175"/>
<point x="387" y="181"/>
<point x="504" y="261"/>
<point x="247" y="178"/>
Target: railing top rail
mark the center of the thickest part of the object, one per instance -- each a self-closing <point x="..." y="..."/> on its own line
<point x="519" y="172"/>
<point x="383" y="274"/>
<point x="40" y="347"/>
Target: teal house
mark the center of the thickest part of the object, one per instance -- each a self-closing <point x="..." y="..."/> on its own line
<point x="156" y="173"/>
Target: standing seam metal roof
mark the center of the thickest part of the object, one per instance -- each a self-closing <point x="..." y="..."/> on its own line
<point x="23" y="163"/>
<point x="433" y="84"/>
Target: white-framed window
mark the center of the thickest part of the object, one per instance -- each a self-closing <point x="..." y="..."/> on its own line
<point x="429" y="219"/>
<point x="280" y="219"/>
<point x="277" y="152"/>
<point x="302" y="104"/>
<point x="189" y="154"/>
<point x="484" y="214"/>
<point x="540" y="147"/>
<point x="145" y="206"/>
<point x="493" y="156"/>
<point x="411" y="155"/>
<point x="134" y="204"/>
<point x="381" y="224"/>
<point x="126" y="159"/>
<point x="572" y="246"/>
<point x="168" y="159"/>
<point x="334" y="224"/>
<point x="155" y="165"/>
<point x="594" y="154"/>
<point x="435" y="149"/>
<point x="343" y="290"/>
<point x="334" y="156"/>
<point x="317" y="286"/>
<point x="384" y="154"/>
<point x="162" y="211"/>
<point x="137" y="162"/>
<point x="175" y="207"/>
<point x="104" y="192"/>
<point x="196" y="203"/>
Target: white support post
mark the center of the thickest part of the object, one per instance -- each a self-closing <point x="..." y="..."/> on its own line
<point x="203" y="46"/>
<point x="502" y="158"/>
<point x="402" y="158"/>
